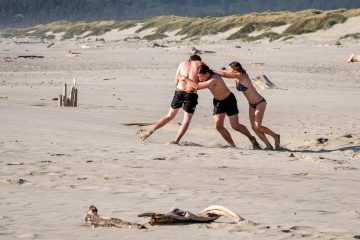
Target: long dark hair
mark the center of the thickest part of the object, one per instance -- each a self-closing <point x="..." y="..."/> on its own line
<point x="203" y="69"/>
<point x="237" y="66"/>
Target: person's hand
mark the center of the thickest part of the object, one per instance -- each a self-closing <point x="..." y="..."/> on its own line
<point x="182" y="78"/>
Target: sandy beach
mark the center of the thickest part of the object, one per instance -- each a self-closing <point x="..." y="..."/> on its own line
<point x="57" y="161"/>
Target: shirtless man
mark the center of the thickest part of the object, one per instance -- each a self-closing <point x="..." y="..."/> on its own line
<point x="224" y="103"/>
<point x="185" y="96"/>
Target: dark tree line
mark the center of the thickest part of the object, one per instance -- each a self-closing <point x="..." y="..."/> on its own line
<point x="15" y="13"/>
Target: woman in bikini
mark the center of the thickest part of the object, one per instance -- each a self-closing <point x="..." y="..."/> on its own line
<point x="257" y="104"/>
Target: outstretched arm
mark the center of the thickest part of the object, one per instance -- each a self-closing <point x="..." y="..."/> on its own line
<point x="199" y="85"/>
<point x="227" y="74"/>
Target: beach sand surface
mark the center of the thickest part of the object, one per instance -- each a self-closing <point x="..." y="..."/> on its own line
<point x="57" y="161"/>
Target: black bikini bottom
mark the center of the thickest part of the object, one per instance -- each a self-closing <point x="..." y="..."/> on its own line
<point x="254" y="105"/>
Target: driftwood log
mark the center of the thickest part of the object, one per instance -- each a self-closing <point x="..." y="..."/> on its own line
<point x="93" y="219"/>
<point x="179" y="216"/>
<point x="29" y="56"/>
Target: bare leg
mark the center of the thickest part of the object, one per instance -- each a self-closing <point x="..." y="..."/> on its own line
<point x="234" y="122"/>
<point x="184" y="126"/>
<point x="256" y="123"/>
<point x="219" y="123"/>
<point x="162" y="121"/>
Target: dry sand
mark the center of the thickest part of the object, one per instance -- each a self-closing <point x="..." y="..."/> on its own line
<point x="70" y="158"/>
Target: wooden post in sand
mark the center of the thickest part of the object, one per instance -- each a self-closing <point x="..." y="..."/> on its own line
<point x="64" y="101"/>
<point x="60" y="101"/>
<point x="65" y="95"/>
<point x="75" y="97"/>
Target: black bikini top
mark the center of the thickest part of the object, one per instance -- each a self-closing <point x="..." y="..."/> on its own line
<point x="241" y="87"/>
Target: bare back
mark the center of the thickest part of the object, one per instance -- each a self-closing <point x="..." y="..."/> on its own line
<point x="189" y="70"/>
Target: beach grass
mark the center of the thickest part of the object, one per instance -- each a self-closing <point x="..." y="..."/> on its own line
<point x="194" y="28"/>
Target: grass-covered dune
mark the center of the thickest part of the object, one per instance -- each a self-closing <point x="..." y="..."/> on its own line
<point x="244" y="26"/>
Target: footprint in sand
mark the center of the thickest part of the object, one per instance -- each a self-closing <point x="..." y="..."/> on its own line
<point x="344" y="168"/>
<point x="191" y="144"/>
<point x="302" y="231"/>
<point x="19" y="181"/>
<point x="300" y="174"/>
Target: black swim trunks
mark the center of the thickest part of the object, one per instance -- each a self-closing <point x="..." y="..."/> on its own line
<point x="227" y="105"/>
<point x="187" y="101"/>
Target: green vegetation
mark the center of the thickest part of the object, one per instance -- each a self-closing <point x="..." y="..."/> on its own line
<point x="314" y="23"/>
<point x="251" y="27"/>
<point x="25" y="13"/>
<point x="155" y="36"/>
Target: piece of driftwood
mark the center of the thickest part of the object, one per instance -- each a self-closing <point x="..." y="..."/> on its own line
<point x="64" y="100"/>
<point x="263" y="82"/>
<point x="72" y="54"/>
<point x="179" y="216"/>
<point x="30" y="56"/>
<point x="93" y="219"/>
<point x="354" y="58"/>
<point x="137" y="124"/>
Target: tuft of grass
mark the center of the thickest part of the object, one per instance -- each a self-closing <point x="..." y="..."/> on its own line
<point x="314" y="23"/>
<point x="255" y="26"/>
<point x="155" y="36"/>
<point x="194" y="28"/>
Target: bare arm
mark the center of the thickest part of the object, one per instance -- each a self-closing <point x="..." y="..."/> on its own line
<point x="177" y="76"/>
<point x="228" y="74"/>
<point x="197" y="86"/>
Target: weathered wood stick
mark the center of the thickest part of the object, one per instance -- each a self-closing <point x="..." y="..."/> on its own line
<point x="74" y="82"/>
<point x="179" y="216"/>
<point x="60" y="101"/>
<point x="72" y="97"/>
<point x="75" y="97"/>
<point x="65" y="95"/>
<point x="93" y="219"/>
<point x="137" y="124"/>
<point x="221" y="211"/>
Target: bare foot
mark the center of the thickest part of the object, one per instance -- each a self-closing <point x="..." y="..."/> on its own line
<point x="268" y="148"/>
<point x="277" y="142"/>
<point x="145" y="135"/>
<point x="255" y="144"/>
<point x="173" y="143"/>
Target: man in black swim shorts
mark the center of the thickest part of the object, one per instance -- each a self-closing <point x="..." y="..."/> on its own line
<point x="185" y="97"/>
